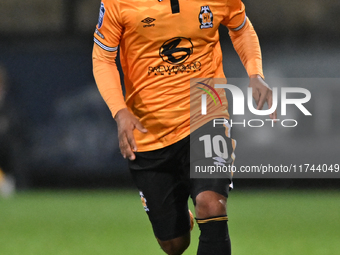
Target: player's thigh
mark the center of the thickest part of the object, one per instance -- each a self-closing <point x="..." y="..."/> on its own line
<point x="211" y="160"/>
<point x="164" y="198"/>
<point x="163" y="191"/>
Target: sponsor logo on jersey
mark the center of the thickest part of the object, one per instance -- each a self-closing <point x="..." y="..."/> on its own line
<point x="148" y="22"/>
<point x="101" y="15"/>
<point x="205" y="17"/>
<point x="170" y="69"/>
<point x="176" y="51"/>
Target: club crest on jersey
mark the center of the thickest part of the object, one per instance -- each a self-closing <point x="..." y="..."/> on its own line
<point x="205" y="17"/>
<point x="101" y="15"/>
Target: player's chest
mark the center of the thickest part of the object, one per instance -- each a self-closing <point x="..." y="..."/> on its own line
<point x="170" y="18"/>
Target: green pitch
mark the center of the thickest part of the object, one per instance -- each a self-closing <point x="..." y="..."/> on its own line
<point x="114" y="222"/>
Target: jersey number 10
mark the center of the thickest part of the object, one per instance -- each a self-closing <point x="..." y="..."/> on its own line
<point x="217" y="144"/>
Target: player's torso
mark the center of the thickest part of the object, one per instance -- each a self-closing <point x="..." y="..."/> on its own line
<point x="167" y="39"/>
<point x="162" y="47"/>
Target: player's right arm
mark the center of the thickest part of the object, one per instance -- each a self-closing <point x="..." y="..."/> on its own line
<point x="106" y="41"/>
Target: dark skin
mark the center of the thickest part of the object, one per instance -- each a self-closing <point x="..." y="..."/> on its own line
<point x="262" y="94"/>
<point x="208" y="203"/>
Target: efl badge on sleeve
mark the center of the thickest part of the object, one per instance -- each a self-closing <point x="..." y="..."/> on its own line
<point x="205" y="17"/>
<point x="101" y="15"/>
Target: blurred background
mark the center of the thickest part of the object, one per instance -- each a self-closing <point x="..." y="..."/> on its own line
<point x="56" y="131"/>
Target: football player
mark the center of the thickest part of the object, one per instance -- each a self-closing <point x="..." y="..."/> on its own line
<point x="163" y="44"/>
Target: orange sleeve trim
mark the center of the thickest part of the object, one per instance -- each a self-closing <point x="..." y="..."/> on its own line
<point x="247" y="46"/>
<point x="107" y="78"/>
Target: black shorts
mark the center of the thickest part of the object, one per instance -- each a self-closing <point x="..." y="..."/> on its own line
<point x="163" y="179"/>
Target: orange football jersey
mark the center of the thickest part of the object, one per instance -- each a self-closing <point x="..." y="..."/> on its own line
<point x="163" y="44"/>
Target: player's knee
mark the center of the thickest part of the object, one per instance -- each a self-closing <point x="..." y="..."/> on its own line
<point x="175" y="246"/>
<point x="210" y="204"/>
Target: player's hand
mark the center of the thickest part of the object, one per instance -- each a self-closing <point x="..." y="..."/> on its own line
<point x="126" y="123"/>
<point x="262" y="93"/>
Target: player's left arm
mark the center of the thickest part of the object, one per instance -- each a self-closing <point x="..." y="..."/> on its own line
<point x="247" y="46"/>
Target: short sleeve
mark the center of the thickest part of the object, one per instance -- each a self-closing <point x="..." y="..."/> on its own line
<point x="236" y="15"/>
<point x="109" y="28"/>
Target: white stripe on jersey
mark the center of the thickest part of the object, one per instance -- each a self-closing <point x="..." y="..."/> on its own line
<point x="242" y="25"/>
<point x="104" y="47"/>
